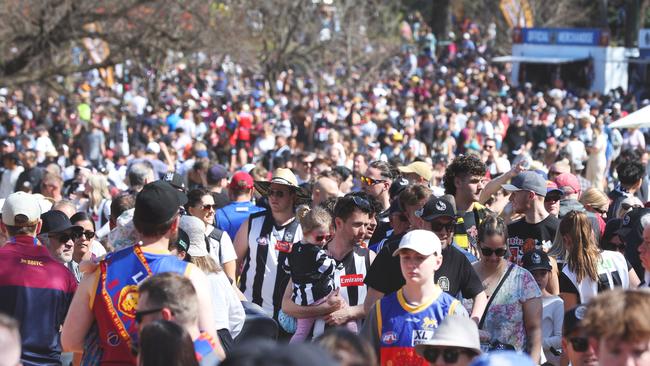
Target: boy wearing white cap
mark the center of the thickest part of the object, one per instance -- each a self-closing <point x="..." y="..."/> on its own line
<point x="401" y="320"/>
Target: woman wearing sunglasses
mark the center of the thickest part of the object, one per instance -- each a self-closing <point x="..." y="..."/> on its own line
<point x="85" y="245"/>
<point x="200" y="203"/>
<point x="512" y="318"/>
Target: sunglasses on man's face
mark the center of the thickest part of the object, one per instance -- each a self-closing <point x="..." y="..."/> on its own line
<point x="487" y="252"/>
<point x="320" y="238"/>
<point x="140" y="314"/>
<point x="552" y="197"/>
<point x="278" y="194"/>
<point x="449" y="355"/>
<point x="579" y="344"/>
<point x="370" y="181"/>
<point x="65" y="237"/>
<point x="440" y="226"/>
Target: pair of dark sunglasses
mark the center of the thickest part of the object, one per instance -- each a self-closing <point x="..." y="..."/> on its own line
<point x="552" y="197"/>
<point x="449" y="355"/>
<point x="370" y="181"/>
<point x="439" y="226"/>
<point x="320" y="238"/>
<point x="65" y="237"/>
<point x="500" y="252"/>
<point x="210" y="207"/>
<point x="278" y="194"/>
<point x="579" y="344"/>
<point x="88" y="234"/>
<point x="140" y="314"/>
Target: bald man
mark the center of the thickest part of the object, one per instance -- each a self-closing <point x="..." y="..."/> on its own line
<point x="323" y="189"/>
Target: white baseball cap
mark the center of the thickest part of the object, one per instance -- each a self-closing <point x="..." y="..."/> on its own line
<point x="195" y="229"/>
<point x="21" y="203"/>
<point x="424" y="242"/>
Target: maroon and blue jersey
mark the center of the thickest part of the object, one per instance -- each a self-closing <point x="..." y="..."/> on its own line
<point x="402" y="326"/>
<point x="116" y="298"/>
<point x="37" y="291"/>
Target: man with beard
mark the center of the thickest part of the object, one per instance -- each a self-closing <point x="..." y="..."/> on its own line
<point x="109" y="296"/>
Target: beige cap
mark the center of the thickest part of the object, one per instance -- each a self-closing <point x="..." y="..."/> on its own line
<point x="21" y="203"/>
<point x="420" y="168"/>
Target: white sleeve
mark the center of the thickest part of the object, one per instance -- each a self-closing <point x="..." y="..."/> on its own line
<point x="227" y="249"/>
<point x="219" y="302"/>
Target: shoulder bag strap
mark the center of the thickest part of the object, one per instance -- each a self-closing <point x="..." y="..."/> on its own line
<point x="496" y="290"/>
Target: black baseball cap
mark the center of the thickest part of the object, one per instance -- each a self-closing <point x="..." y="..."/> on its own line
<point x="436" y="207"/>
<point x="183" y="240"/>
<point x="397" y="187"/>
<point x="573" y="319"/>
<point x="158" y="202"/>
<point x="536" y="259"/>
<point x="56" y="221"/>
<point x="176" y="180"/>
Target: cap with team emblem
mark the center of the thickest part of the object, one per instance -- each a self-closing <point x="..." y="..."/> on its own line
<point x="176" y="180"/>
<point x="536" y="259"/>
<point x="436" y="207"/>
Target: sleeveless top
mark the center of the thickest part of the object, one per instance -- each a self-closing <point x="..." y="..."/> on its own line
<point x="612" y="272"/>
<point x="116" y="298"/>
<point x="401" y="326"/>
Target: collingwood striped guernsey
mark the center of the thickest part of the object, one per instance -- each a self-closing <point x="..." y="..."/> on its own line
<point x="262" y="280"/>
<point x="348" y="278"/>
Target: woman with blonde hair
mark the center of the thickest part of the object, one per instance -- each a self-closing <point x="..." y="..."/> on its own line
<point x="587" y="270"/>
<point x="99" y="199"/>
<point x="596" y="202"/>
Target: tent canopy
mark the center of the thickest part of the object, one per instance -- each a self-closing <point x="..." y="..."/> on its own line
<point x="640" y="118"/>
<point x="538" y="59"/>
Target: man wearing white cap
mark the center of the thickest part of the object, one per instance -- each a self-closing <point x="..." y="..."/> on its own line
<point x="401" y="320"/>
<point x="34" y="287"/>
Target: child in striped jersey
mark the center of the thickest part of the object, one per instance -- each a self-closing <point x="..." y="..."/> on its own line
<point x="310" y="266"/>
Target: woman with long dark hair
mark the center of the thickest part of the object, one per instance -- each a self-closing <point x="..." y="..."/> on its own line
<point x="165" y="343"/>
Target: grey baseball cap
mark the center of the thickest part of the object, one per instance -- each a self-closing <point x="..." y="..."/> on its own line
<point x="527" y="181"/>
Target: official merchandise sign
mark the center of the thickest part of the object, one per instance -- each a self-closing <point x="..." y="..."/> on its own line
<point x="563" y="36"/>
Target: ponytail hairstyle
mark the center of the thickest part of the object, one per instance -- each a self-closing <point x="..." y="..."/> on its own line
<point x="313" y="218"/>
<point x="582" y="253"/>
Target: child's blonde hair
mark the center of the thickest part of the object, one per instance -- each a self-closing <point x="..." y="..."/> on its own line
<point x="313" y="218"/>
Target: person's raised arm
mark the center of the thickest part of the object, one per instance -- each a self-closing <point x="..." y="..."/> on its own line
<point x="80" y="316"/>
<point x="493" y="186"/>
<point x="241" y="245"/>
<point x="533" y="324"/>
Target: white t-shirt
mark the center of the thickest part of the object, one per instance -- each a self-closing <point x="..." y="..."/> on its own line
<point x="224" y="251"/>
<point x="228" y="310"/>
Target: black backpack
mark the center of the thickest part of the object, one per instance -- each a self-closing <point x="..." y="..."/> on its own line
<point x="215" y="234"/>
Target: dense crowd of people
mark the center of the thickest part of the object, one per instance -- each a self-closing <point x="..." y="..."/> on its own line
<point x="436" y="215"/>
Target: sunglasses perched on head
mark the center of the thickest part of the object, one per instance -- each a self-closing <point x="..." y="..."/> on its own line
<point x="361" y="203"/>
<point x="579" y="344"/>
<point x="500" y="252"/>
<point x="449" y="355"/>
<point x="370" y="181"/>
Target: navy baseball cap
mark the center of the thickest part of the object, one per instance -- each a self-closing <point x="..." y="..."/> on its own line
<point x="436" y="207"/>
<point x="158" y="202"/>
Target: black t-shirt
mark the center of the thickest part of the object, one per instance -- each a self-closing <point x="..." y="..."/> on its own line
<point x="455" y="275"/>
<point x="524" y="237"/>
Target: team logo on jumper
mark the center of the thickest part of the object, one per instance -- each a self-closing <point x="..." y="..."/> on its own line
<point x="352" y="280"/>
<point x="128" y="300"/>
<point x="443" y="282"/>
<point x="537" y="259"/>
<point x="112" y="339"/>
<point x="430" y="323"/>
<point x="389" y="337"/>
<point x="262" y="241"/>
<point x="580" y="312"/>
<point x="421" y="336"/>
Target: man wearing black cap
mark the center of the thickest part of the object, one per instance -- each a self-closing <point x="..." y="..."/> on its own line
<point x="109" y="295"/>
<point x="454" y="276"/>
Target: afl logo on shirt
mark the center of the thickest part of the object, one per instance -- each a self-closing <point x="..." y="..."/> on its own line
<point x="389" y="337"/>
<point x="112" y="339"/>
<point x="443" y="282"/>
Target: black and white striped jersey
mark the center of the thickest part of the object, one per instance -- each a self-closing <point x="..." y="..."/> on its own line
<point x="349" y="279"/>
<point x="262" y="281"/>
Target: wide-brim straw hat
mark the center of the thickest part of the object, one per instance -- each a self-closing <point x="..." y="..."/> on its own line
<point x="284" y="177"/>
